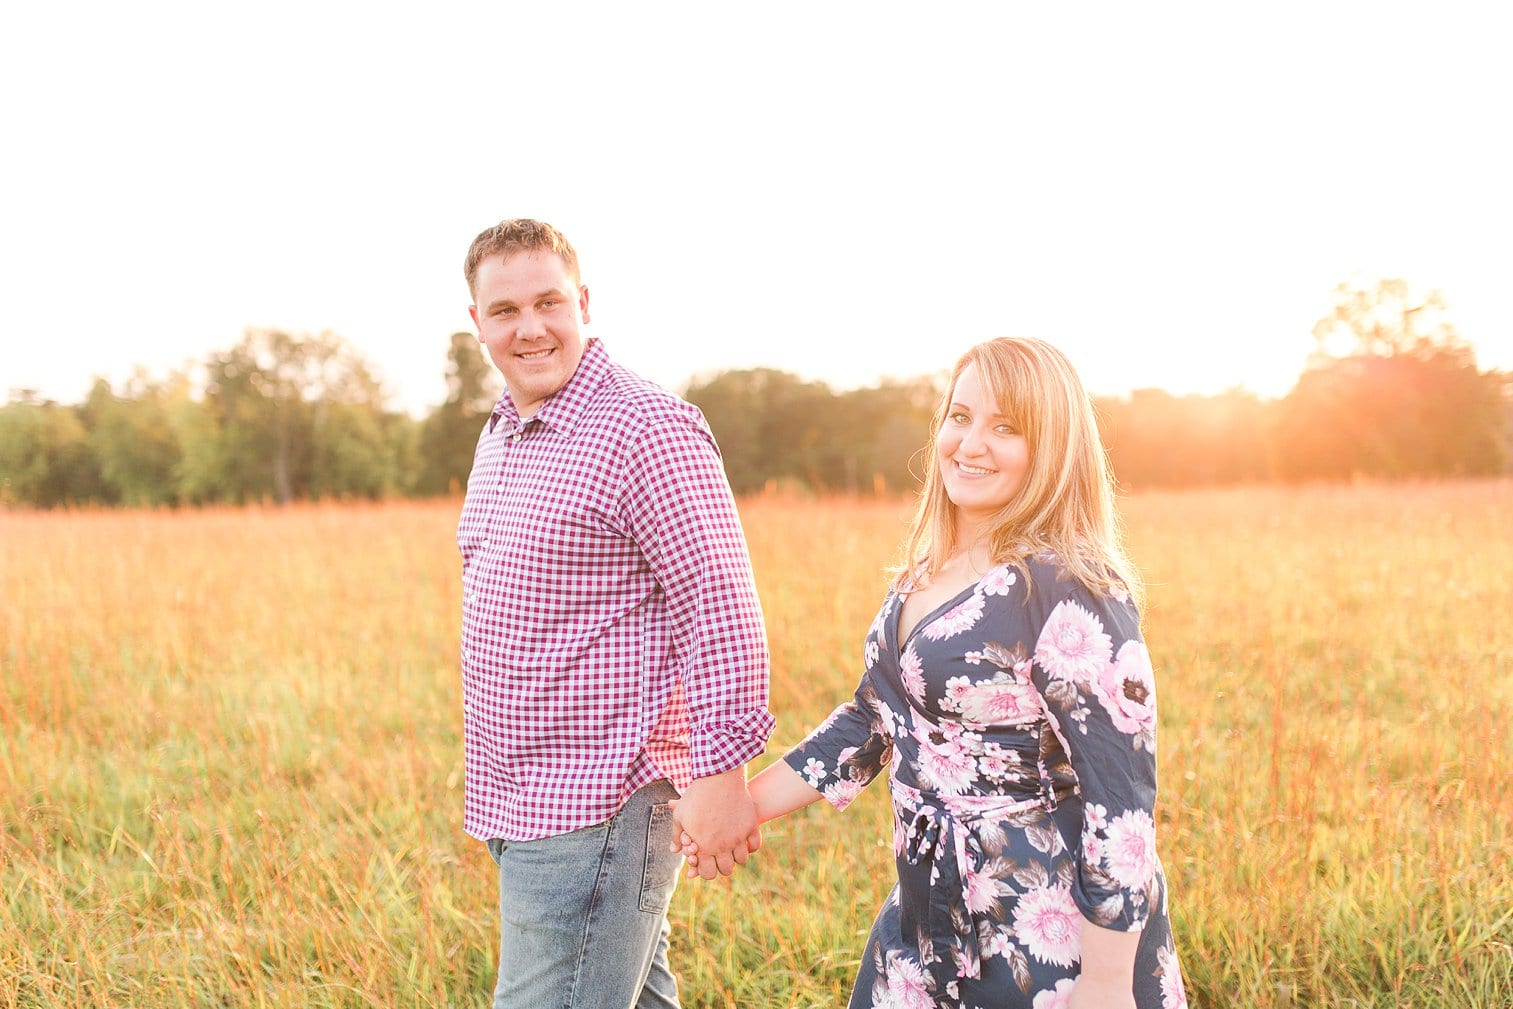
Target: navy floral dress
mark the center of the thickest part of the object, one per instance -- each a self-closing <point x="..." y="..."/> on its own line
<point x="1018" y="723"/>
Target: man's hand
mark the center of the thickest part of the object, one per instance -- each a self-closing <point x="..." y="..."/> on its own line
<point x="717" y="812"/>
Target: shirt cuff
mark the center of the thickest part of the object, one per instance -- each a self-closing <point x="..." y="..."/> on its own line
<point x="717" y="747"/>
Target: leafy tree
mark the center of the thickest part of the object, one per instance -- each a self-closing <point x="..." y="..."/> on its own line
<point x="133" y="439"/>
<point x="1391" y="391"/>
<point x="773" y="428"/>
<point x="768" y="424"/>
<point x="45" y="458"/>
<point x="449" y="435"/>
<point x="293" y="417"/>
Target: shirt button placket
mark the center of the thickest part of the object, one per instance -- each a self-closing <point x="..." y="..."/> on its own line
<point x="504" y="460"/>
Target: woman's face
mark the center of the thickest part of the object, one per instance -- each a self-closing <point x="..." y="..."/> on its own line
<point x="983" y="458"/>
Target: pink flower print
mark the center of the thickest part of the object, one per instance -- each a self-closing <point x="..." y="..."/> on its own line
<point x="907" y="987"/>
<point x="842" y="793"/>
<point x="1005" y="700"/>
<point x="1048" y="923"/>
<point x="1173" y="995"/>
<point x="1096" y="815"/>
<point x="906" y="794"/>
<point x="913" y="672"/>
<point x="980" y="889"/>
<point x="814" y="771"/>
<point x="945" y="766"/>
<point x="881" y="620"/>
<point x="998" y="581"/>
<point x="829" y="720"/>
<point x="997" y="944"/>
<point x="993" y="768"/>
<point x="870" y="653"/>
<point x="1073" y="645"/>
<point x="1055" y="998"/>
<point x="997" y="751"/>
<point x="957" y="689"/>
<point x="959" y="618"/>
<point x="1127" y="690"/>
<point x="1130" y="854"/>
<point x="1092" y="847"/>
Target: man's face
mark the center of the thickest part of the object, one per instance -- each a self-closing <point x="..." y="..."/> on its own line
<point x="528" y="310"/>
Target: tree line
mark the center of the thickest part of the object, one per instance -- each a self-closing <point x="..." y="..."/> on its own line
<point x="1391" y="392"/>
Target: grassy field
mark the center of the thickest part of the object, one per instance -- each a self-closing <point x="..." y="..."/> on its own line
<point x="231" y="771"/>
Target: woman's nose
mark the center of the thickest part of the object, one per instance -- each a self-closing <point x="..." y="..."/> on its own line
<point x="971" y="440"/>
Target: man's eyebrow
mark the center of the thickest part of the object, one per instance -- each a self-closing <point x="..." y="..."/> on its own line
<point x="550" y="291"/>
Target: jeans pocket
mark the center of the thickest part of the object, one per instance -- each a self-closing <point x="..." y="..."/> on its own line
<point x="659" y="874"/>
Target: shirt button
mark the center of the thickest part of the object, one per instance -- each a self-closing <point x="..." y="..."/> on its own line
<point x="515" y="437"/>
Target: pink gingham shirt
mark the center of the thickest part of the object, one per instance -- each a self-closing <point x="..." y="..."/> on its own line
<point x="611" y="633"/>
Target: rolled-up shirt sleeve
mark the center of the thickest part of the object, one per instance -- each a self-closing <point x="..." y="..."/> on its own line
<point x="681" y="514"/>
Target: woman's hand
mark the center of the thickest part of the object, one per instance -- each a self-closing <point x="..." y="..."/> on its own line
<point x="1107" y="980"/>
<point x="1091" y="993"/>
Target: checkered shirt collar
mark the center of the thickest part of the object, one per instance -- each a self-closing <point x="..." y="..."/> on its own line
<point x="563" y="408"/>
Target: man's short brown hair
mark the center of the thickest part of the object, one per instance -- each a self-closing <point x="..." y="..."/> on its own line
<point x="519" y="235"/>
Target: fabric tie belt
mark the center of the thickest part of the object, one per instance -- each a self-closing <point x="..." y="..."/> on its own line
<point x="939" y="834"/>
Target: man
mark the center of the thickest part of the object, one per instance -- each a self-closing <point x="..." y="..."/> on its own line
<point x="613" y="652"/>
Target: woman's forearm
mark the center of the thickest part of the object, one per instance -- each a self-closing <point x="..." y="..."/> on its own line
<point x="778" y="790"/>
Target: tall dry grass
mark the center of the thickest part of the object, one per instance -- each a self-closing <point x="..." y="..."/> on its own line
<point x="230" y="770"/>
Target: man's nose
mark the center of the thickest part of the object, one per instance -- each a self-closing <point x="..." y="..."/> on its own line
<point x="531" y="326"/>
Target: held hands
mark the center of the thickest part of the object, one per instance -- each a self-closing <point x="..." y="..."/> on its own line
<point x="690" y="850"/>
<point x="717" y="824"/>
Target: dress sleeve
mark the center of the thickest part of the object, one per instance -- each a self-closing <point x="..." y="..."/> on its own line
<point x="846" y="751"/>
<point x="1094" y="673"/>
<point x="683" y="519"/>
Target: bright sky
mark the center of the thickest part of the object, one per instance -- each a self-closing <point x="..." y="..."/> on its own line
<point x="843" y="190"/>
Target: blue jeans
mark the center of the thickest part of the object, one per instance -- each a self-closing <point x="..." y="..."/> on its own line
<point x="583" y="915"/>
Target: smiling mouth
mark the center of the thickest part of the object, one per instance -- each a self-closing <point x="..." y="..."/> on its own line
<point x="966" y="470"/>
<point x="535" y="355"/>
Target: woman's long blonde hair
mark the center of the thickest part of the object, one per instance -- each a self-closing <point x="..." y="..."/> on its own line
<point x="1065" y="507"/>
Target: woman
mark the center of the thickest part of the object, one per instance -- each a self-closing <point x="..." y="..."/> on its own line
<point x="1009" y="692"/>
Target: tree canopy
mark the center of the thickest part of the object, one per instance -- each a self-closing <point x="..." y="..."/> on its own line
<point x="1392" y="391"/>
